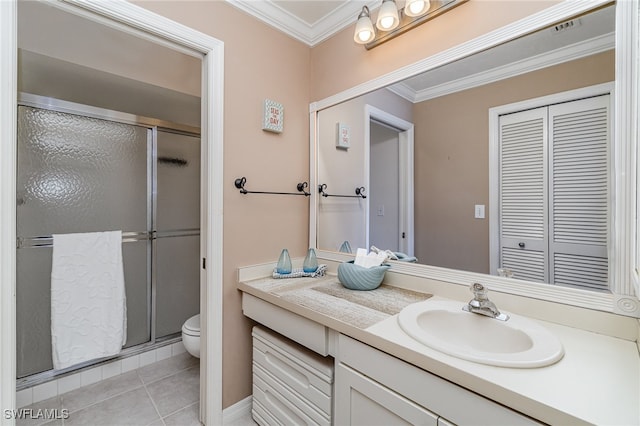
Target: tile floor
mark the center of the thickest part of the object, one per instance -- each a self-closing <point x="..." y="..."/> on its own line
<point x="245" y="420"/>
<point x="165" y="393"/>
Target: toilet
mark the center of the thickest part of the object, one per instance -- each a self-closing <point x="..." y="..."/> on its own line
<point x="191" y="335"/>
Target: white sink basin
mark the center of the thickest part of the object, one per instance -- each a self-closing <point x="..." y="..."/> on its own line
<point x="444" y="326"/>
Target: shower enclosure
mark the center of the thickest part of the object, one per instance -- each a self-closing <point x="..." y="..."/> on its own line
<point x="85" y="169"/>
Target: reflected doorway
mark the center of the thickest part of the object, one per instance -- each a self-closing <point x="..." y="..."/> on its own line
<point x="384" y="183"/>
<point x="390" y="181"/>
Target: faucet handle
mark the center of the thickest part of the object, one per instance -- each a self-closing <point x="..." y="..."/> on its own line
<point x="479" y="291"/>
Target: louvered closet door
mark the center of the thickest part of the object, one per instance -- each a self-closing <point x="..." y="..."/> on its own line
<point x="579" y="186"/>
<point x="523" y="196"/>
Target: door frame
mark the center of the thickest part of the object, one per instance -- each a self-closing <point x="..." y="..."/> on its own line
<point x="405" y="142"/>
<point x="127" y="17"/>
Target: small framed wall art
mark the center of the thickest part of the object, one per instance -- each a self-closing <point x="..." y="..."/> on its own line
<point x="273" y="117"/>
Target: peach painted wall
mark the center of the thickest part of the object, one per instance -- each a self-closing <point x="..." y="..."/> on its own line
<point x="260" y="62"/>
<point x="452" y="159"/>
<point x="339" y="63"/>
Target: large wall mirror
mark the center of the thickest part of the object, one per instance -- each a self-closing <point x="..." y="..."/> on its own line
<point x="430" y="153"/>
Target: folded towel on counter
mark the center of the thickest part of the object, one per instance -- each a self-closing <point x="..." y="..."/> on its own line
<point x="88" y="303"/>
<point x="371" y="259"/>
<point x="395" y="255"/>
<point x="299" y="273"/>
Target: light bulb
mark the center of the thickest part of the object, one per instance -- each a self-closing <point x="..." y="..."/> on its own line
<point x="388" y="18"/>
<point x="386" y="22"/>
<point x="364" y="28"/>
<point x="364" y="35"/>
<point x="416" y="7"/>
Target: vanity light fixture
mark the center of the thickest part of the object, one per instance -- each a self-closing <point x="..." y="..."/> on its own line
<point x="388" y="16"/>
<point x="391" y="21"/>
<point x="364" y="28"/>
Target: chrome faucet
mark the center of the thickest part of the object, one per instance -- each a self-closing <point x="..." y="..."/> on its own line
<point x="480" y="304"/>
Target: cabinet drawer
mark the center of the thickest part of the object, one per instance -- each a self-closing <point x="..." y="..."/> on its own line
<point x="320" y="366"/>
<point x="283" y="405"/>
<point x="299" y="329"/>
<point x="302" y="381"/>
<point x="261" y="415"/>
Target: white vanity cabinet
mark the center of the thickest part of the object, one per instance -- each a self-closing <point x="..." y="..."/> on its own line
<point x="384" y="377"/>
<point x="374" y="388"/>
<point x="365" y="402"/>
<point x="291" y="385"/>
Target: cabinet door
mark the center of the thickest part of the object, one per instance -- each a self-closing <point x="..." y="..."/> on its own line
<point x="362" y="401"/>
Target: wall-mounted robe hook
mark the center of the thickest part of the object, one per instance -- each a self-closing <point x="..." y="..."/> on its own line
<point x="240" y="182"/>
<point x="359" y="192"/>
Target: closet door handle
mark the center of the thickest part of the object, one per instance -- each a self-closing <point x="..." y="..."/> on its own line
<point x="521" y="245"/>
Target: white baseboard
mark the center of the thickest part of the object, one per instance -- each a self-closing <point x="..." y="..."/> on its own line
<point x="237" y="410"/>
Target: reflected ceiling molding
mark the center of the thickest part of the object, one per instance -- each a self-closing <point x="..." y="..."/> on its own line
<point x="310" y="33"/>
<point x="546" y="17"/>
<point x="554" y="57"/>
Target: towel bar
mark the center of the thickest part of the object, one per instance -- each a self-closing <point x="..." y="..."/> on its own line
<point x="240" y="182"/>
<point x="359" y="192"/>
<point x="47" y="240"/>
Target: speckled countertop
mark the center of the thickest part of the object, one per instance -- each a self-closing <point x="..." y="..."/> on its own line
<point x="327" y="296"/>
<point x="597" y="381"/>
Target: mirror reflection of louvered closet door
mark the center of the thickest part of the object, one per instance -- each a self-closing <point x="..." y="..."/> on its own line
<point x="554" y="193"/>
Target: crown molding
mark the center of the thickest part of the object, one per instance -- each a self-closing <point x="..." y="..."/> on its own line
<point x="277" y="17"/>
<point x="544" y="60"/>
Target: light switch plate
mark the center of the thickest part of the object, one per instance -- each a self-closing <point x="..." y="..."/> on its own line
<point x="343" y="136"/>
<point x="479" y="211"/>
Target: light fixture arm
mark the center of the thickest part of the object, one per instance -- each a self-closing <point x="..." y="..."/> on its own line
<point x="365" y="13"/>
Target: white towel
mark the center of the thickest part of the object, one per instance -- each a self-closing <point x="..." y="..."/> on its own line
<point x="88" y="304"/>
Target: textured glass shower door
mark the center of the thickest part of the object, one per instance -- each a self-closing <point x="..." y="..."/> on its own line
<point x="78" y="174"/>
<point x="177" y="243"/>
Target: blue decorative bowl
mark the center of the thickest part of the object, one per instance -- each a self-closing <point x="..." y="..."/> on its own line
<point x="356" y="277"/>
<point x="405" y="258"/>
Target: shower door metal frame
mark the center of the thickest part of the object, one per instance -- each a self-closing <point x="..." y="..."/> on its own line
<point x="152" y="125"/>
<point x="167" y="127"/>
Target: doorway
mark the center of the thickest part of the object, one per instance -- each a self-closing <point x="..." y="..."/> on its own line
<point x="389" y="171"/>
<point x="384" y="183"/>
<point x="134" y="20"/>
